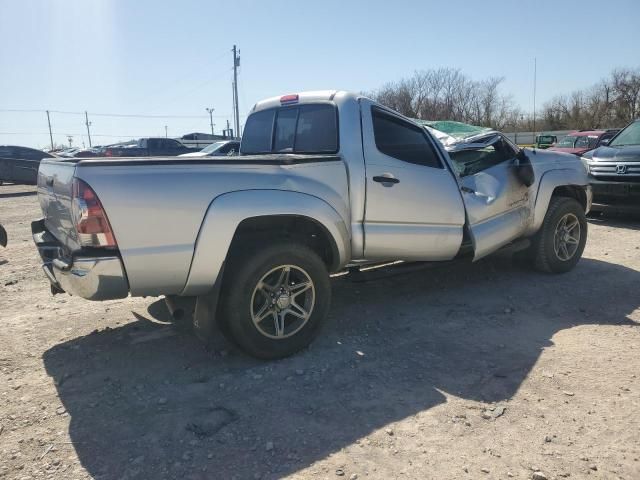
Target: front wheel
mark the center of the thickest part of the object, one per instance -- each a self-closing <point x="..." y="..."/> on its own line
<point x="559" y="244"/>
<point x="274" y="300"/>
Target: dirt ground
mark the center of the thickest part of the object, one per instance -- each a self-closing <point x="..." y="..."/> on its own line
<point x="465" y="371"/>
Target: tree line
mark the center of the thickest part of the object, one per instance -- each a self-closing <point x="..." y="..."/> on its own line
<point x="449" y="94"/>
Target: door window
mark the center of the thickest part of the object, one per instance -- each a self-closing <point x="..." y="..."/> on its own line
<point x="582" y="142"/>
<point x="473" y="160"/>
<point x="399" y="139"/>
<point x="229" y="147"/>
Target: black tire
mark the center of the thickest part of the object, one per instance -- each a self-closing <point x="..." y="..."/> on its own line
<point x="241" y="295"/>
<point x="544" y="254"/>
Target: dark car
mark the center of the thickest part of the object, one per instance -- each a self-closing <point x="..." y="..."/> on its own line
<point x="614" y="172"/>
<point x="20" y="164"/>
<point x="607" y="136"/>
<point x="544" y="141"/>
<point x="150" y="147"/>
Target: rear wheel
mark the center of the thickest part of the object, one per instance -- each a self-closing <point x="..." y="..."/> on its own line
<point x="560" y="242"/>
<point x="274" y="300"/>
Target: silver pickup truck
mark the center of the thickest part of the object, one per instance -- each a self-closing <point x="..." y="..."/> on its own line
<point x="325" y="181"/>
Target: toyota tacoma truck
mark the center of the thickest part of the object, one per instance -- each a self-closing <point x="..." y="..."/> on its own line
<point x="326" y="182"/>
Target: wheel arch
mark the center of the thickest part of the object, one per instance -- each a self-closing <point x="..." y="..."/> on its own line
<point x="235" y="218"/>
<point x="559" y="183"/>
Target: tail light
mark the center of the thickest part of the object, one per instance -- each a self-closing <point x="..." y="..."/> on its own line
<point x="91" y="222"/>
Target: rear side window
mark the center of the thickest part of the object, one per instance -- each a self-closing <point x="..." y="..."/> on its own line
<point x="258" y="132"/>
<point x="402" y="140"/>
<point x="309" y="128"/>
<point x="285" y="130"/>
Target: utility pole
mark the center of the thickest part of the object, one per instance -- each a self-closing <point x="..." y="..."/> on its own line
<point x="87" y="123"/>
<point x="236" y="111"/>
<point x="165" y="131"/>
<point x="535" y="73"/>
<point x="50" y="134"/>
<point x="210" y="112"/>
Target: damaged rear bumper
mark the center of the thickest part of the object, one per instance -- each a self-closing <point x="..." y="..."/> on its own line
<point x="93" y="277"/>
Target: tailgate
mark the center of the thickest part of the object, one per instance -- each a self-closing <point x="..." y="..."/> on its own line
<point x="55" y="189"/>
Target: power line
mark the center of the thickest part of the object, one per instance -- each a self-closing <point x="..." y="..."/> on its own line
<point x="101" y="114"/>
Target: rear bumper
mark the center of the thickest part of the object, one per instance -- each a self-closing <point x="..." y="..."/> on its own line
<point x="611" y="195"/>
<point x="93" y="277"/>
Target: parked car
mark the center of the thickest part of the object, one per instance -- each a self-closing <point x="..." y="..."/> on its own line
<point x="68" y="152"/>
<point x="218" y="149"/>
<point x="607" y="136"/>
<point x="147" y="147"/>
<point x="581" y="141"/>
<point x="325" y="181"/>
<point x="20" y="164"/>
<point x="86" y="153"/>
<point x="545" y="141"/>
<point x="614" y="172"/>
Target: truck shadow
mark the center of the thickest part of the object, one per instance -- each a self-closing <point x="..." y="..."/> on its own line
<point x="18" y="194"/>
<point x="147" y="403"/>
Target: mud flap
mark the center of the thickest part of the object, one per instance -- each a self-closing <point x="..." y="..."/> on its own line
<point x="205" y="324"/>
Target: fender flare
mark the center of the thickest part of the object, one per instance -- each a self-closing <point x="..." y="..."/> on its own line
<point x="227" y="211"/>
<point x="566" y="177"/>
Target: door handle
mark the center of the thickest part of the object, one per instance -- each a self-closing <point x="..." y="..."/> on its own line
<point x="467" y="190"/>
<point x="384" y="179"/>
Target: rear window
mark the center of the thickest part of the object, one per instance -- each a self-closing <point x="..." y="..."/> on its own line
<point x="309" y="128"/>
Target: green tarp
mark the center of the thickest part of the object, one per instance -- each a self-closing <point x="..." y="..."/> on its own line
<point x="457" y="130"/>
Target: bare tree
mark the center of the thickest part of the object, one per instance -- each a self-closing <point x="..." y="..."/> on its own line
<point x="613" y="102"/>
<point x="449" y="94"/>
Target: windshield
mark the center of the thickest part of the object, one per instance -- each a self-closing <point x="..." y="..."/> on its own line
<point x="567" y="142"/>
<point x="629" y="136"/>
<point x="212" y="148"/>
<point x="545" y="139"/>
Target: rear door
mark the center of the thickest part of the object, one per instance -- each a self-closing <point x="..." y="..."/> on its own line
<point x="414" y="209"/>
<point x="498" y="204"/>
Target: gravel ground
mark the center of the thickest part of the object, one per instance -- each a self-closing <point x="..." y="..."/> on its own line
<point x="460" y="371"/>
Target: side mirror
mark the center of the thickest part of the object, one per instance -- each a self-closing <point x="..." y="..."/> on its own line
<point x="604" y="142"/>
<point x="524" y="169"/>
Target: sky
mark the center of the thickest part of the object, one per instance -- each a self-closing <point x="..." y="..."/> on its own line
<point x="169" y="60"/>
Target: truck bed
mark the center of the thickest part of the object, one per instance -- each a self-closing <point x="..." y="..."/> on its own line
<point x="156" y="205"/>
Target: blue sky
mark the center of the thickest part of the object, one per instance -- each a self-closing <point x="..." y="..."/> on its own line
<point x="173" y="58"/>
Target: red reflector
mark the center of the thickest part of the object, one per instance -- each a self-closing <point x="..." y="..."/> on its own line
<point x="289" y="98"/>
